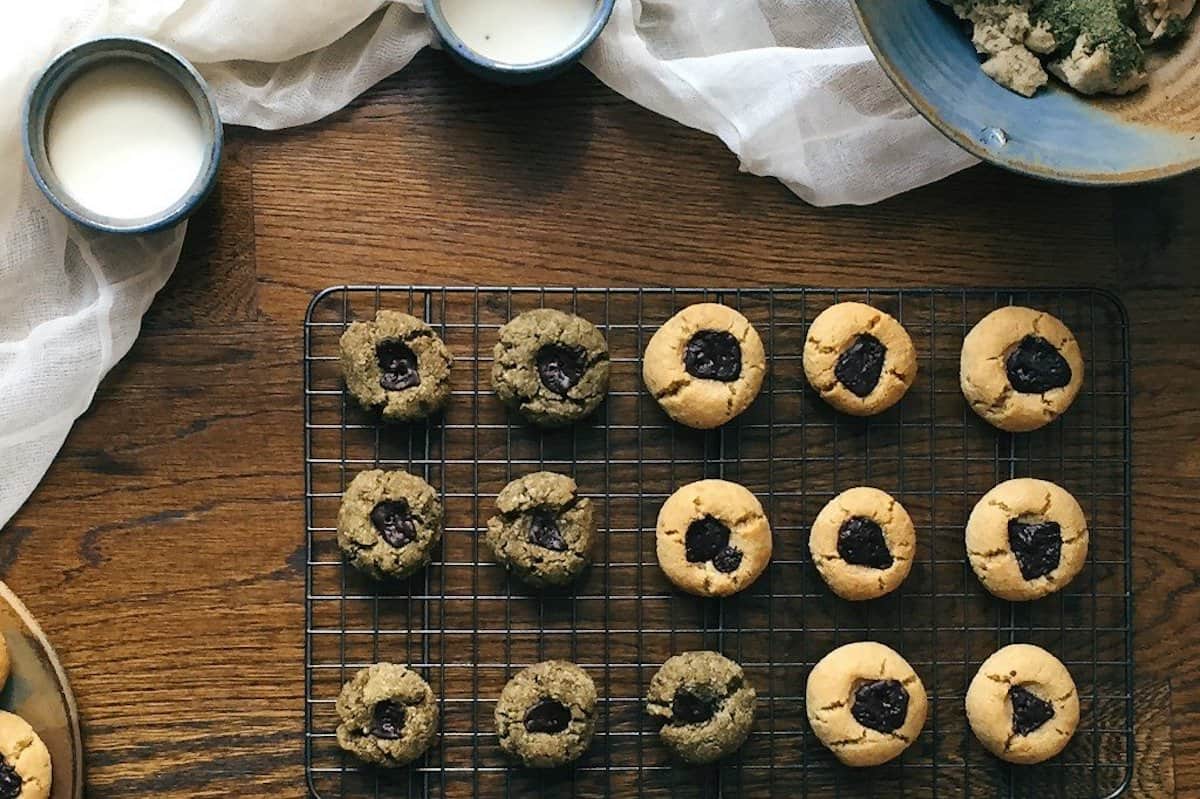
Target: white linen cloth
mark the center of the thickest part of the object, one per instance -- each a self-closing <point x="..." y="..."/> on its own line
<point x="788" y="85"/>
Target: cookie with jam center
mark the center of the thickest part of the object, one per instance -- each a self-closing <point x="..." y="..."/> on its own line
<point x="713" y="538"/>
<point x="1022" y="704"/>
<point x="389" y="523"/>
<point x="544" y="532"/>
<point x="859" y="358"/>
<point x="551" y="367"/>
<point x="706" y="705"/>
<point x="25" y="771"/>
<point x="705" y="366"/>
<point x="1020" y="369"/>
<point x="546" y="715"/>
<point x="398" y="365"/>
<point x="863" y="543"/>
<point x="389" y="715"/>
<point x="865" y="703"/>
<point x="1026" y="538"/>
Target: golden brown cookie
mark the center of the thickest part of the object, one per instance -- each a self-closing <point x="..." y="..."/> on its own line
<point x="713" y="538"/>
<point x="1026" y="538"/>
<point x="397" y="364"/>
<point x="865" y="703"/>
<point x="1022" y="704"/>
<point x="24" y="760"/>
<point x="1020" y="369"/>
<point x="859" y="359"/>
<point x="705" y="365"/>
<point x="863" y="543"/>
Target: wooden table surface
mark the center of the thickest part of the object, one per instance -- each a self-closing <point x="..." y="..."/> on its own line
<point x="164" y="553"/>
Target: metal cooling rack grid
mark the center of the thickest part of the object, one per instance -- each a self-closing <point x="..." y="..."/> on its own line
<point x="467" y="627"/>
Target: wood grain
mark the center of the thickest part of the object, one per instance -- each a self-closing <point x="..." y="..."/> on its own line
<point x="163" y="552"/>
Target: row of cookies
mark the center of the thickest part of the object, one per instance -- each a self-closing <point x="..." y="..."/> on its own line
<point x="1020" y="368"/>
<point x="24" y="759"/>
<point x="864" y="701"/>
<point x="545" y="716"/>
<point x="867" y="705"/>
<point x="1024" y="539"/>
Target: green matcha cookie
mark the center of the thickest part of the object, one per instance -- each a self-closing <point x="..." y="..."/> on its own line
<point x="398" y="365"/>
<point x="389" y="715"/>
<point x="545" y="531"/>
<point x="547" y="714"/>
<point x="706" y="704"/>
<point x="551" y="367"/>
<point x="389" y="523"/>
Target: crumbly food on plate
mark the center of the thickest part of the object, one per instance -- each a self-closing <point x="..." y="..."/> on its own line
<point x="1094" y="46"/>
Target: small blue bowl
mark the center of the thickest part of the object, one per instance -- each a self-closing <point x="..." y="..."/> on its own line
<point x="517" y="74"/>
<point x="1058" y="134"/>
<point x="49" y="85"/>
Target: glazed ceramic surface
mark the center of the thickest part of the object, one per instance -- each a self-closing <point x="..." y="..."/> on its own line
<point x="38" y="692"/>
<point x="1058" y="134"/>
<point x="515" y="74"/>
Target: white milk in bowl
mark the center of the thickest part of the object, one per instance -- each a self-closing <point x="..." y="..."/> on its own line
<point x="519" y="31"/>
<point x="125" y="141"/>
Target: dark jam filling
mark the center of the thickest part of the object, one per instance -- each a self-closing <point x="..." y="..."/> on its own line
<point x="549" y="716"/>
<point x="713" y="355"/>
<point x="862" y="543"/>
<point x="1036" y="366"/>
<point x="387" y="720"/>
<point x="397" y="366"/>
<point x="1030" y="711"/>
<point x="394" y="522"/>
<point x="687" y="708"/>
<point x="707" y="540"/>
<point x="881" y="705"/>
<point x="544" y="531"/>
<point x="860" y="367"/>
<point x="1037" y="546"/>
<point x="10" y="781"/>
<point x="561" y="367"/>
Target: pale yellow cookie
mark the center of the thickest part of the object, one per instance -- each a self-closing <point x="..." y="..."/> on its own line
<point x="705" y="365"/>
<point x="1026" y="538"/>
<point x="865" y="703"/>
<point x="1020" y="369"/>
<point x="1022" y="704"/>
<point x="24" y="759"/>
<point x="713" y="538"/>
<point x="859" y="359"/>
<point x="863" y="543"/>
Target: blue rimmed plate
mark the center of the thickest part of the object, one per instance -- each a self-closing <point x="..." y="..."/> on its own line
<point x="1057" y="135"/>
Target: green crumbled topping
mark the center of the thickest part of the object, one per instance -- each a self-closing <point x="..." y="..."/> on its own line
<point x="1176" y="27"/>
<point x="1103" y="22"/>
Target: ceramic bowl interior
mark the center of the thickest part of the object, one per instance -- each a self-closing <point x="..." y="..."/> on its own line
<point x="45" y="91"/>
<point x="517" y="73"/>
<point x="1057" y="134"/>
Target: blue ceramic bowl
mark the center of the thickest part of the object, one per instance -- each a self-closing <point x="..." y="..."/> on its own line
<point x="46" y="88"/>
<point x="516" y="74"/>
<point x="1058" y="134"/>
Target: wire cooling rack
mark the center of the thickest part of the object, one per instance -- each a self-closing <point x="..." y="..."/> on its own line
<point x="467" y="627"/>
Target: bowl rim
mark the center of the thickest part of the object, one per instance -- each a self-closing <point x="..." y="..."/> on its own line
<point x="49" y="83"/>
<point x="977" y="149"/>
